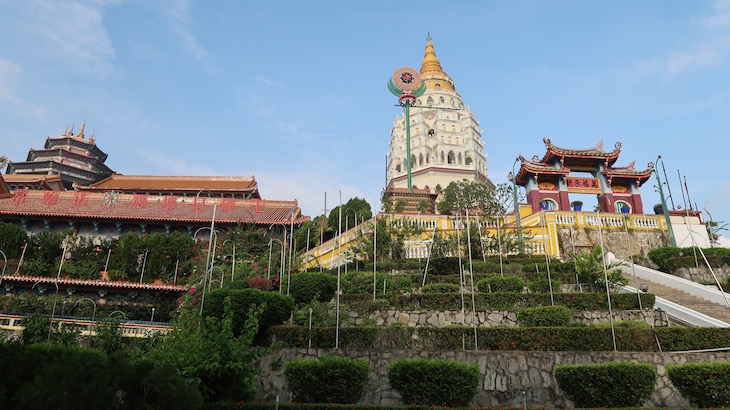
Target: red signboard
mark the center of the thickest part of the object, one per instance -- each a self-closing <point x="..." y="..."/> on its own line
<point x="588" y="185"/>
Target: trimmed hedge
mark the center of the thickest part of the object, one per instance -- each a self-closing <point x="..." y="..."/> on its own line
<point x="328" y="380"/>
<point x="509" y="301"/>
<point x="669" y="260"/>
<point x="495" y="284"/>
<point x="278" y="307"/>
<point x="544" y="316"/>
<point x="440" y="288"/>
<point x="574" y="338"/>
<point x="315" y="406"/>
<point x="362" y="283"/>
<point x="434" y="382"/>
<point x="703" y="384"/>
<point x="606" y="385"/>
<point x="306" y="286"/>
<point x="542" y="285"/>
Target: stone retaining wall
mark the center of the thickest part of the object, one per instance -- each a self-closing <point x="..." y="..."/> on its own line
<point x="483" y="319"/>
<point x="507" y="378"/>
<point x="702" y="274"/>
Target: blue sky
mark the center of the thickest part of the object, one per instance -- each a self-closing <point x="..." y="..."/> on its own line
<point x="295" y="92"/>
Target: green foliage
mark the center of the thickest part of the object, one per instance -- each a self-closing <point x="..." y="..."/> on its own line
<point x="82" y="269"/>
<point x="544" y="316"/>
<point x="434" y="382"/>
<point x="328" y="380"/>
<point x="678" y="339"/>
<point x="45" y="246"/>
<point x="589" y="267"/>
<point x="37" y="267"/>
<point x="629" y="338"/>
<point x="444" y="266"/>
<point x="361" y="206"/>
<point x="40" y="378"/>
<point x="606" y="385"/>
<point x="669" y="259"/>
<point x="210" y="355"/>
<point x="509" y="283"/>
<point x="108" y="336"/>
<point x="542" y="285"/>
<point x="460" y="195"/>
<point x="12" y="239"/>
<point x="440" y="288"/>
<point x="703" y="384"/>
<point x="362" y="283"/>
<point x="276" y="308"/>
<point x="127" y="256"/>
<point x="306" y="286"/>
<point x="320" y="314"/>
<point x="35" y="328"/>
<point x="163" y="252"/>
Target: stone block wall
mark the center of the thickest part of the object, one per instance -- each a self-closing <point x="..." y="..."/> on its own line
<point x="507" y="378"/>
<point x="440" y="318"/>
<point x="614" y="240"/>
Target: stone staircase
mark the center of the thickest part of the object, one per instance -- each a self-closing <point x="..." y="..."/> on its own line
<point x="685" y="299"/>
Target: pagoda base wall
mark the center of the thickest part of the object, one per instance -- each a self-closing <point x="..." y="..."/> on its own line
<point x="608" y="202"/>
<point x="614" y="240"/>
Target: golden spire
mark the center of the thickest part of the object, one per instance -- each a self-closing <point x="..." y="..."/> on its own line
<point x="430" y="63"/>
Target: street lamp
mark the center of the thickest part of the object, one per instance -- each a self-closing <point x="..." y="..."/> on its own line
<point x="513" y="177"/>
<point x="210" y="243"/>
<point x="672" y="239"/>
<point x="53" y="312"/>
<point x="210" y="283"/>
<point x="271" y="241"/>
<point x="93" y="316"/>
<point x="233" y="266"/>
<point x="346" y="229"/>
<point x="2" y="275"/>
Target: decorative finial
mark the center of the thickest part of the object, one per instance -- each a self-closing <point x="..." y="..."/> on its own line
<point x="71" y="133"/>
<point x="429" y="36"/>
<point x="430" y="63"/>
<point x="65" y="132"/>
<point x="83" y="125"/>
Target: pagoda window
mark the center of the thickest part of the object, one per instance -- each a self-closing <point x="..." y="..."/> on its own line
<point x="460" y="158"/>
<point x="548" y="205"/>
<point x="468" y="161"/>
<point x="413" y="160"/>
<point x="442" y="156"/>
<point x="418" y="101"/>
<point x="619" y="207"/>
<point x="429" y="101"/>
<point x="451" y="157"/>
<point x="431" y="132"/>
<point x="420" y="159"/>
<point x="428" y="158"/>
<point x="442" y="100"/>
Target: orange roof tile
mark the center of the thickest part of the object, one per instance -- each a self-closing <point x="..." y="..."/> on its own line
<point x="95" y="283"/>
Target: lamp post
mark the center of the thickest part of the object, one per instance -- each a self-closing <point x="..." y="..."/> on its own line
<point x="346" y="228"/>
<point x="93" y="316"/>
<point x="210" y="244"/>
<point x="118" y="311"/>
<point x="233" y="266"/>
<point x="513" y="177"/>
<point x="53" y="312"/>
<point x="2" y="275"/>
<point x="672" y="239"/>
<point x="210" y="283"/>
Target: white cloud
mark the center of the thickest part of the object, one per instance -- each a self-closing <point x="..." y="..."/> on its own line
<point x="160" y="163"/>
<point x="182" y="24"/>
<point x="71" y="32"/>
<point x="678" y="62"/>
<point x="10" y="74"/>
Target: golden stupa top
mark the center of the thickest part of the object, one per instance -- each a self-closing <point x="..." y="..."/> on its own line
<point x="431" y="70"/>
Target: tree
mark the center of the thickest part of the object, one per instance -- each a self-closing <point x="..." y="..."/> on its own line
<point x="392" y="235"/>
<point x="460" y="195"/>
<point x="12" y="239"/>
<point x="361" y="206"/>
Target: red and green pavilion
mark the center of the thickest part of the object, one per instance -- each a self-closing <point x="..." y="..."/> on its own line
<point x="562" y="171"/>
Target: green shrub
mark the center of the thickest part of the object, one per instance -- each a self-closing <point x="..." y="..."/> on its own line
<point x="440" y="288"/>
<point x="703" y="384"/>
<point x="278" y="307"/>
<point x="692" y="338"/>
<point x="544" y="316"/>
<point x="328" y="380"/>
<point x="606" y="385"/>
<point x="444" y="266"/>
<point x="542" y="285"/>
<point x="434" y="382"/>
<point x="495" y="283"/>
<point x="362" y="283"/>
<point x="306" y="286"/>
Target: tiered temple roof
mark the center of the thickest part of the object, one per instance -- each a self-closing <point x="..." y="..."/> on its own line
<point x="114" y="206"/>
<point x="33" y="181"/>
<point x="235" y="187"/>
<point x="595" y="153"/>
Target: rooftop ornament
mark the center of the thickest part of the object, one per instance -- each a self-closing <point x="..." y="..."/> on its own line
<point x="406" y="84"/>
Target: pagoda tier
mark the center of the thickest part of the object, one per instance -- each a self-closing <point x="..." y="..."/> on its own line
<point x="112" y="213"/>
<point x="561" y="171"/>
<point x="232" y="187"/>
<point x="33" y="181"/>
<point x="75" y="158"/>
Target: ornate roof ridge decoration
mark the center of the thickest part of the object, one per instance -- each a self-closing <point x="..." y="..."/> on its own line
<point x="595" y="151"/>
<point x="630" y="170"/>
<point x="95" y="283"/>
<point x="541" y="166"/>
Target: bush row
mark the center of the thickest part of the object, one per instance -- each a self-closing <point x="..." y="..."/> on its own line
<point x="606" y="384"/>
<point x="508" y="301"/>
<point x="575" y="338"/>
<point x="669" y="259"/>
<point x="327" y="380"/>
<point x="703" y="384"/>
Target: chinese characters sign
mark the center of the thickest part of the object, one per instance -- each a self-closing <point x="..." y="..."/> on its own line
<point x="583" y="185"/>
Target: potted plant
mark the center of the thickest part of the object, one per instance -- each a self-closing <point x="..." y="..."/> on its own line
<point x="577" y="205"/>
<point x="625" y="209"/>
<point x="658" y="209"/>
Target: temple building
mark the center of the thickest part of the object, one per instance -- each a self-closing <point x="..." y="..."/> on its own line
<point x="562" y="171"/>
<point x="231" y="187"/>
<point x="446" y="143"/>
<point x="73" y="157"/>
